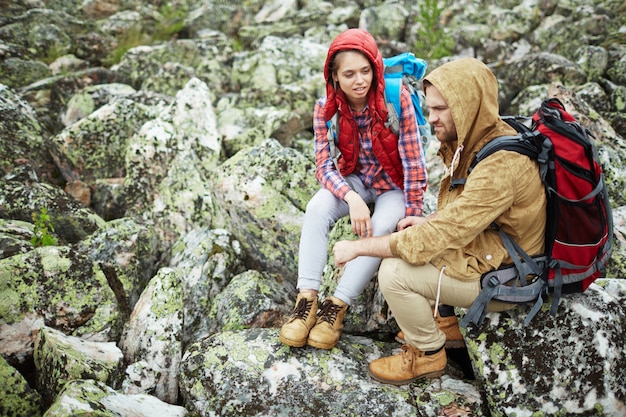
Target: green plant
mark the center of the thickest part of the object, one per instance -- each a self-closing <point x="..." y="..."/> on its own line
<point x="52" y="53"/>
<point x="433" y="40"/>
<point x="131" y="39"/>
<point x="42" y="235"/>
<point x="171" y="22"/>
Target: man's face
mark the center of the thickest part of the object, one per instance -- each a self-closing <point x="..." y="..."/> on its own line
<point x="440" y="116"/>
<point x="354" y="75"/>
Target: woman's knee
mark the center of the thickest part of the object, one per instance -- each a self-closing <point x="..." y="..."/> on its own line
<point x="322" y="205"/>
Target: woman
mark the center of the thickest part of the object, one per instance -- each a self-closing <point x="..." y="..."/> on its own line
<point x="375" y="166"/>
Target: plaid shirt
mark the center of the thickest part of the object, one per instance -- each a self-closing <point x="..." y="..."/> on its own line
<point x="368" y="167"/>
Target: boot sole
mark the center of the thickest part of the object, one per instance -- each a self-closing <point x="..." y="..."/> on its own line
<point x="320" y="345"/>
<point x="292" y="343"/>
<point x="435" y="374"/>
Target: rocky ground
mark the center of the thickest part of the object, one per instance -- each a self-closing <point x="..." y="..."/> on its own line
<point x="155" y="163"/>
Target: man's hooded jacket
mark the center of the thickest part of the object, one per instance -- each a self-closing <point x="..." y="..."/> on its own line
<point x="504" y="188"/>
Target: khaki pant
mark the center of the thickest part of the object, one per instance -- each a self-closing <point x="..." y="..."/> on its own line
<point x="411" y="292"/>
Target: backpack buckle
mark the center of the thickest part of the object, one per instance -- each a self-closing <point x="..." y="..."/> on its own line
<point x="493" y="281"/>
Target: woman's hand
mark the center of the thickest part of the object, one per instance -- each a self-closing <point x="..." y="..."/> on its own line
<point x="359" y="215"/>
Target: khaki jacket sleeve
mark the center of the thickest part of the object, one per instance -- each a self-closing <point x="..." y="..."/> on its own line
<point x="461" y="227"/>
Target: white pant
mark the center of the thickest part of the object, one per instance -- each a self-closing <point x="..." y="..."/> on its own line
<point x="322" y="212"/>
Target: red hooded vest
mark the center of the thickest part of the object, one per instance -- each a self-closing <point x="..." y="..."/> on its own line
<point x="384" y="141"/>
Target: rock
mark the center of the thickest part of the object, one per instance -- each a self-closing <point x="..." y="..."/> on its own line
<point x="96" y="398"/>
<point x="208" y="258"/>
<point x="21" y="135"/>
<point x="126" y="251"/>
<point x="23" y="197"/>
<point x="153" y="334"/>
<point x="60" y="359"/>
<point x="251" y="299"/>
<point x="251" y="373"/>
<point x="571" y="364"/>
<point x="58" y="286"/>
<point x="15" y="237"/>
<point x="95" y="146"/>
<point x="18" y="72"/>
<point x="17" y="398"/>
<point x="169" y="163"/>
<point x="171" y="147"/>
<point x="264" y="190"/>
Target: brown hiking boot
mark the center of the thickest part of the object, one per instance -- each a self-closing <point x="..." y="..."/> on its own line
<point x="296" y="330"/>
<point x="449" y="325"/>
<point x="327" y="330"/>
<point x="408" y="366"/>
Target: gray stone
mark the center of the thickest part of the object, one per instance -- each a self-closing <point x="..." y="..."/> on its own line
<point x="570" y="364"/>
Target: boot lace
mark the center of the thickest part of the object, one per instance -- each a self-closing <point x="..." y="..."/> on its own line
<point x="409" y="353"/>
<point x="302" y="309"/>
<point x="328" y="312"/>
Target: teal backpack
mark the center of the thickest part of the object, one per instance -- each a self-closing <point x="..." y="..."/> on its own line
<point x="404" y="69"/>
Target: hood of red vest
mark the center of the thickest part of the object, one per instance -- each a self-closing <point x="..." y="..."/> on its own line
<point x="360" y="40"/>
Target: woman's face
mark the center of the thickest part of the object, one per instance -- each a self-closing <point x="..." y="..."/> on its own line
<point x="354" y="76"/>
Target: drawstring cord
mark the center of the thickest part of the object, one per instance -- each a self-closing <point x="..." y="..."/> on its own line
<point x="436" y="310"/>
<point x="455" y="158"/>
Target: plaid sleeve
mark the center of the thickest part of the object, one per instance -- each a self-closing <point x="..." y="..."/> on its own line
<point x="326" y="172"/>
<point x="413" y="159"/>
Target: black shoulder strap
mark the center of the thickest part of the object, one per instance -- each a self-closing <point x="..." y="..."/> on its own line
<point x="525" y="143"/>
<point x="517" y="143"/>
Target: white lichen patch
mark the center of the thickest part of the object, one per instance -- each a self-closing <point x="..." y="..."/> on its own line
<point x="281" y="373"/>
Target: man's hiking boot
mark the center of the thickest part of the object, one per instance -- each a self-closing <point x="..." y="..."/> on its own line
<point x="296" y="330"/>
<point x="448" y="323"/>
<point x="450" y="327"/>
<point x="408" y="366"/>
<point x="327" y="330"/>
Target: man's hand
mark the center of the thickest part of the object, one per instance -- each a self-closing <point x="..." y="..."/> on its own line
<point x="410" y="221"/>
<point x="346" y="250"/>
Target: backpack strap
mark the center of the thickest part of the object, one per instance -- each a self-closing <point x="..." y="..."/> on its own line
<point x="517" y="143"/>
<point x="393" y="89"/>
<point x="524" y="263"/>
<point x="333" y="137"/>
<point x="502" y="285"/>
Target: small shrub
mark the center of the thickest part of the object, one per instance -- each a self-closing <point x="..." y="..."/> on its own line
<point x="434" y="42"/>
<point x="131" y="39"/>
<point x="170" y="23"/>
<point x="42" y="235"/>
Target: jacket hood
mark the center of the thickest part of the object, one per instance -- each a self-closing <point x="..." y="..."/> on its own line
<point x="363" y="41"/>
<point x="471" y="90"/>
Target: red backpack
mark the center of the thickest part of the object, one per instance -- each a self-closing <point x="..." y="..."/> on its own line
<point x="579" y="224"/>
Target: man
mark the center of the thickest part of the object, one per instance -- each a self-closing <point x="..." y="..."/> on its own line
<point x="440" y="259"/>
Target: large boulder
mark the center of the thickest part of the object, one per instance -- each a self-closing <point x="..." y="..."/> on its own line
<point x="571" y="364"/>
